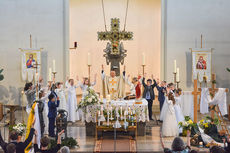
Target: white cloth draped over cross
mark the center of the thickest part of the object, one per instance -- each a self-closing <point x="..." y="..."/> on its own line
<point x="219" y="99"/>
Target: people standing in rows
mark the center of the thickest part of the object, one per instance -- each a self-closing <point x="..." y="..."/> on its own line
<point x="148" y="93"/>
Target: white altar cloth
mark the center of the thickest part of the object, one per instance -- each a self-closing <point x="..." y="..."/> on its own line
<point x="140" y="110"/>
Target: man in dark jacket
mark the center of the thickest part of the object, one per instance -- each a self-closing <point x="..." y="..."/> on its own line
<point x="20" y="146"/>
<point x="148" y="93"/>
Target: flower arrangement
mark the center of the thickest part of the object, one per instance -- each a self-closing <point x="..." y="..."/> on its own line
<point x="20" y="128"/>
<point x="207" y="122"/>
<point x="90" y="98"/>
<point x="187" y="124"/>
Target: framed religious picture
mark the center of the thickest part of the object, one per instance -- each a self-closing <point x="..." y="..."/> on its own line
<point x="201" y="63"/>
<point x="30" y="63"/>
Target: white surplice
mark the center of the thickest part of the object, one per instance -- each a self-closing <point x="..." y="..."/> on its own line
<point x="170" y="126"/>
<point x="73" y="115"/>
<point x="219" y="99"/>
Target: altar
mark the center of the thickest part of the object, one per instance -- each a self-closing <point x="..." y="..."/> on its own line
<point x="122" y="115"/>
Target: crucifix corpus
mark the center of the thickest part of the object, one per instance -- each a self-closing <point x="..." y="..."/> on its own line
<point x="114" y="51"/>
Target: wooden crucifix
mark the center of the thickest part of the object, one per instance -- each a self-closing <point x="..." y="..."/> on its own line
<point x="195" y="93"/>
<point x="115" y="52"/>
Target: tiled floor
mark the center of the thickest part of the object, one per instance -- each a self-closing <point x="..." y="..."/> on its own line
<point x="148" y="143"/>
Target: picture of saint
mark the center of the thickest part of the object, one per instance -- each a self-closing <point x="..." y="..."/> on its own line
<point x="201" y="63"/>
<point x="30" y="62"/>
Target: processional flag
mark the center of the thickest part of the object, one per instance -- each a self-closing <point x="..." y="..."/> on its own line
<point x="30" y="61"/>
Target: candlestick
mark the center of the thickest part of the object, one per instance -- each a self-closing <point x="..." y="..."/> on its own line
<point x="143" y="58"/>
<point x="50" y="74"/>
<point x="36" y="77"/>
<point x="107" y="118"/>
<point x="177" y="84"/>
<point x="175" y="66"/>
<point x="54" y="66"/>
<point x="89" y="59"/>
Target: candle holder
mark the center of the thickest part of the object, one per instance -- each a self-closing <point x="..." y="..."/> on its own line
<point x="177" y="84"/>
<point x="54" y="74"/>
<point x="89" y="70"/>
<point x="174" y="76"/>
<point x="143" y="69"/>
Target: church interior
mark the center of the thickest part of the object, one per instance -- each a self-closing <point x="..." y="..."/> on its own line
<point x="114" y="76"/>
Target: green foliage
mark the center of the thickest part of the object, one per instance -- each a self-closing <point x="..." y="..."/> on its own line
<point x="69" y="142"/>
<point x="228" y="69"/>
<point x="1" y="75"/>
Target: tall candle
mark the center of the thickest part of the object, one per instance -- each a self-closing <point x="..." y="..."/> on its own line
<point x="54" y="67"/>
<point x="177" y="75"/>
<point x="175" y="66"/>
<point x="50" y="74"/>
<point x="143" y="58"/>
<point x="89" y="59"/>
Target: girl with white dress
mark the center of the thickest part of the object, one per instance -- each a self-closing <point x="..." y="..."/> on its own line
<point x="170" y="126"/>
<point x="73" y="115"/>
<point x="179" y="113"/>
<point x="61" y="93"/>
<point x="85" y="84"/>
<point x="169" y="89"/>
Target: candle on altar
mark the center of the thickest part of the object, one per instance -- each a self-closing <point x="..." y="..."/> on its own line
<point x="54" y="66"/>
<point x="89" y="59"/>
<point x="50" y="74"/>
<point x="108" y="98"/>
<point x="107" y="118"/>
<point x="177" y="75"/>
<point x="143" y="58"/>
<point x="101" y="98"/>
<point x="175" y="69"/>
<point x="121" y="110"/>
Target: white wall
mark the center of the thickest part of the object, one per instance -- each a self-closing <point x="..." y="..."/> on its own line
<point x="144" y="20"/>
<point x="185" y="21"/>
<point x="20" y="18"/>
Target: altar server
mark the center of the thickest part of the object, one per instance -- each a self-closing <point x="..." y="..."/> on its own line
<point x="72" y="101"/>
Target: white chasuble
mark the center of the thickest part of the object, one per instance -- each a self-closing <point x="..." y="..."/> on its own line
<point x="113" y="86"/>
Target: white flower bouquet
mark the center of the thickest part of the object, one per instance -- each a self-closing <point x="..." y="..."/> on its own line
<point x="90" y="98"/>
<point x="20" y="128"/>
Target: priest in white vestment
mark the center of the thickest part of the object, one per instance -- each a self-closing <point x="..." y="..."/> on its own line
<point x="113" y="85"/>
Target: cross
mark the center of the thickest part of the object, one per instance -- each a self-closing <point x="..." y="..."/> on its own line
<point x="195" y="93"/>
<point x="113" y="82"/>
<point x="113" y="91"/>
<point x="115" y="52"/>
<point x="35" y="66"/>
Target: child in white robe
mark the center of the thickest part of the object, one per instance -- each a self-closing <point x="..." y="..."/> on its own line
<point x="61" y="93"/>
<point x="72" y="101"/>
<point x="170" y="89"/>
<point x="170" y="126"/>
<point x="85" y="84"/>
<point x="179" y="113"/>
